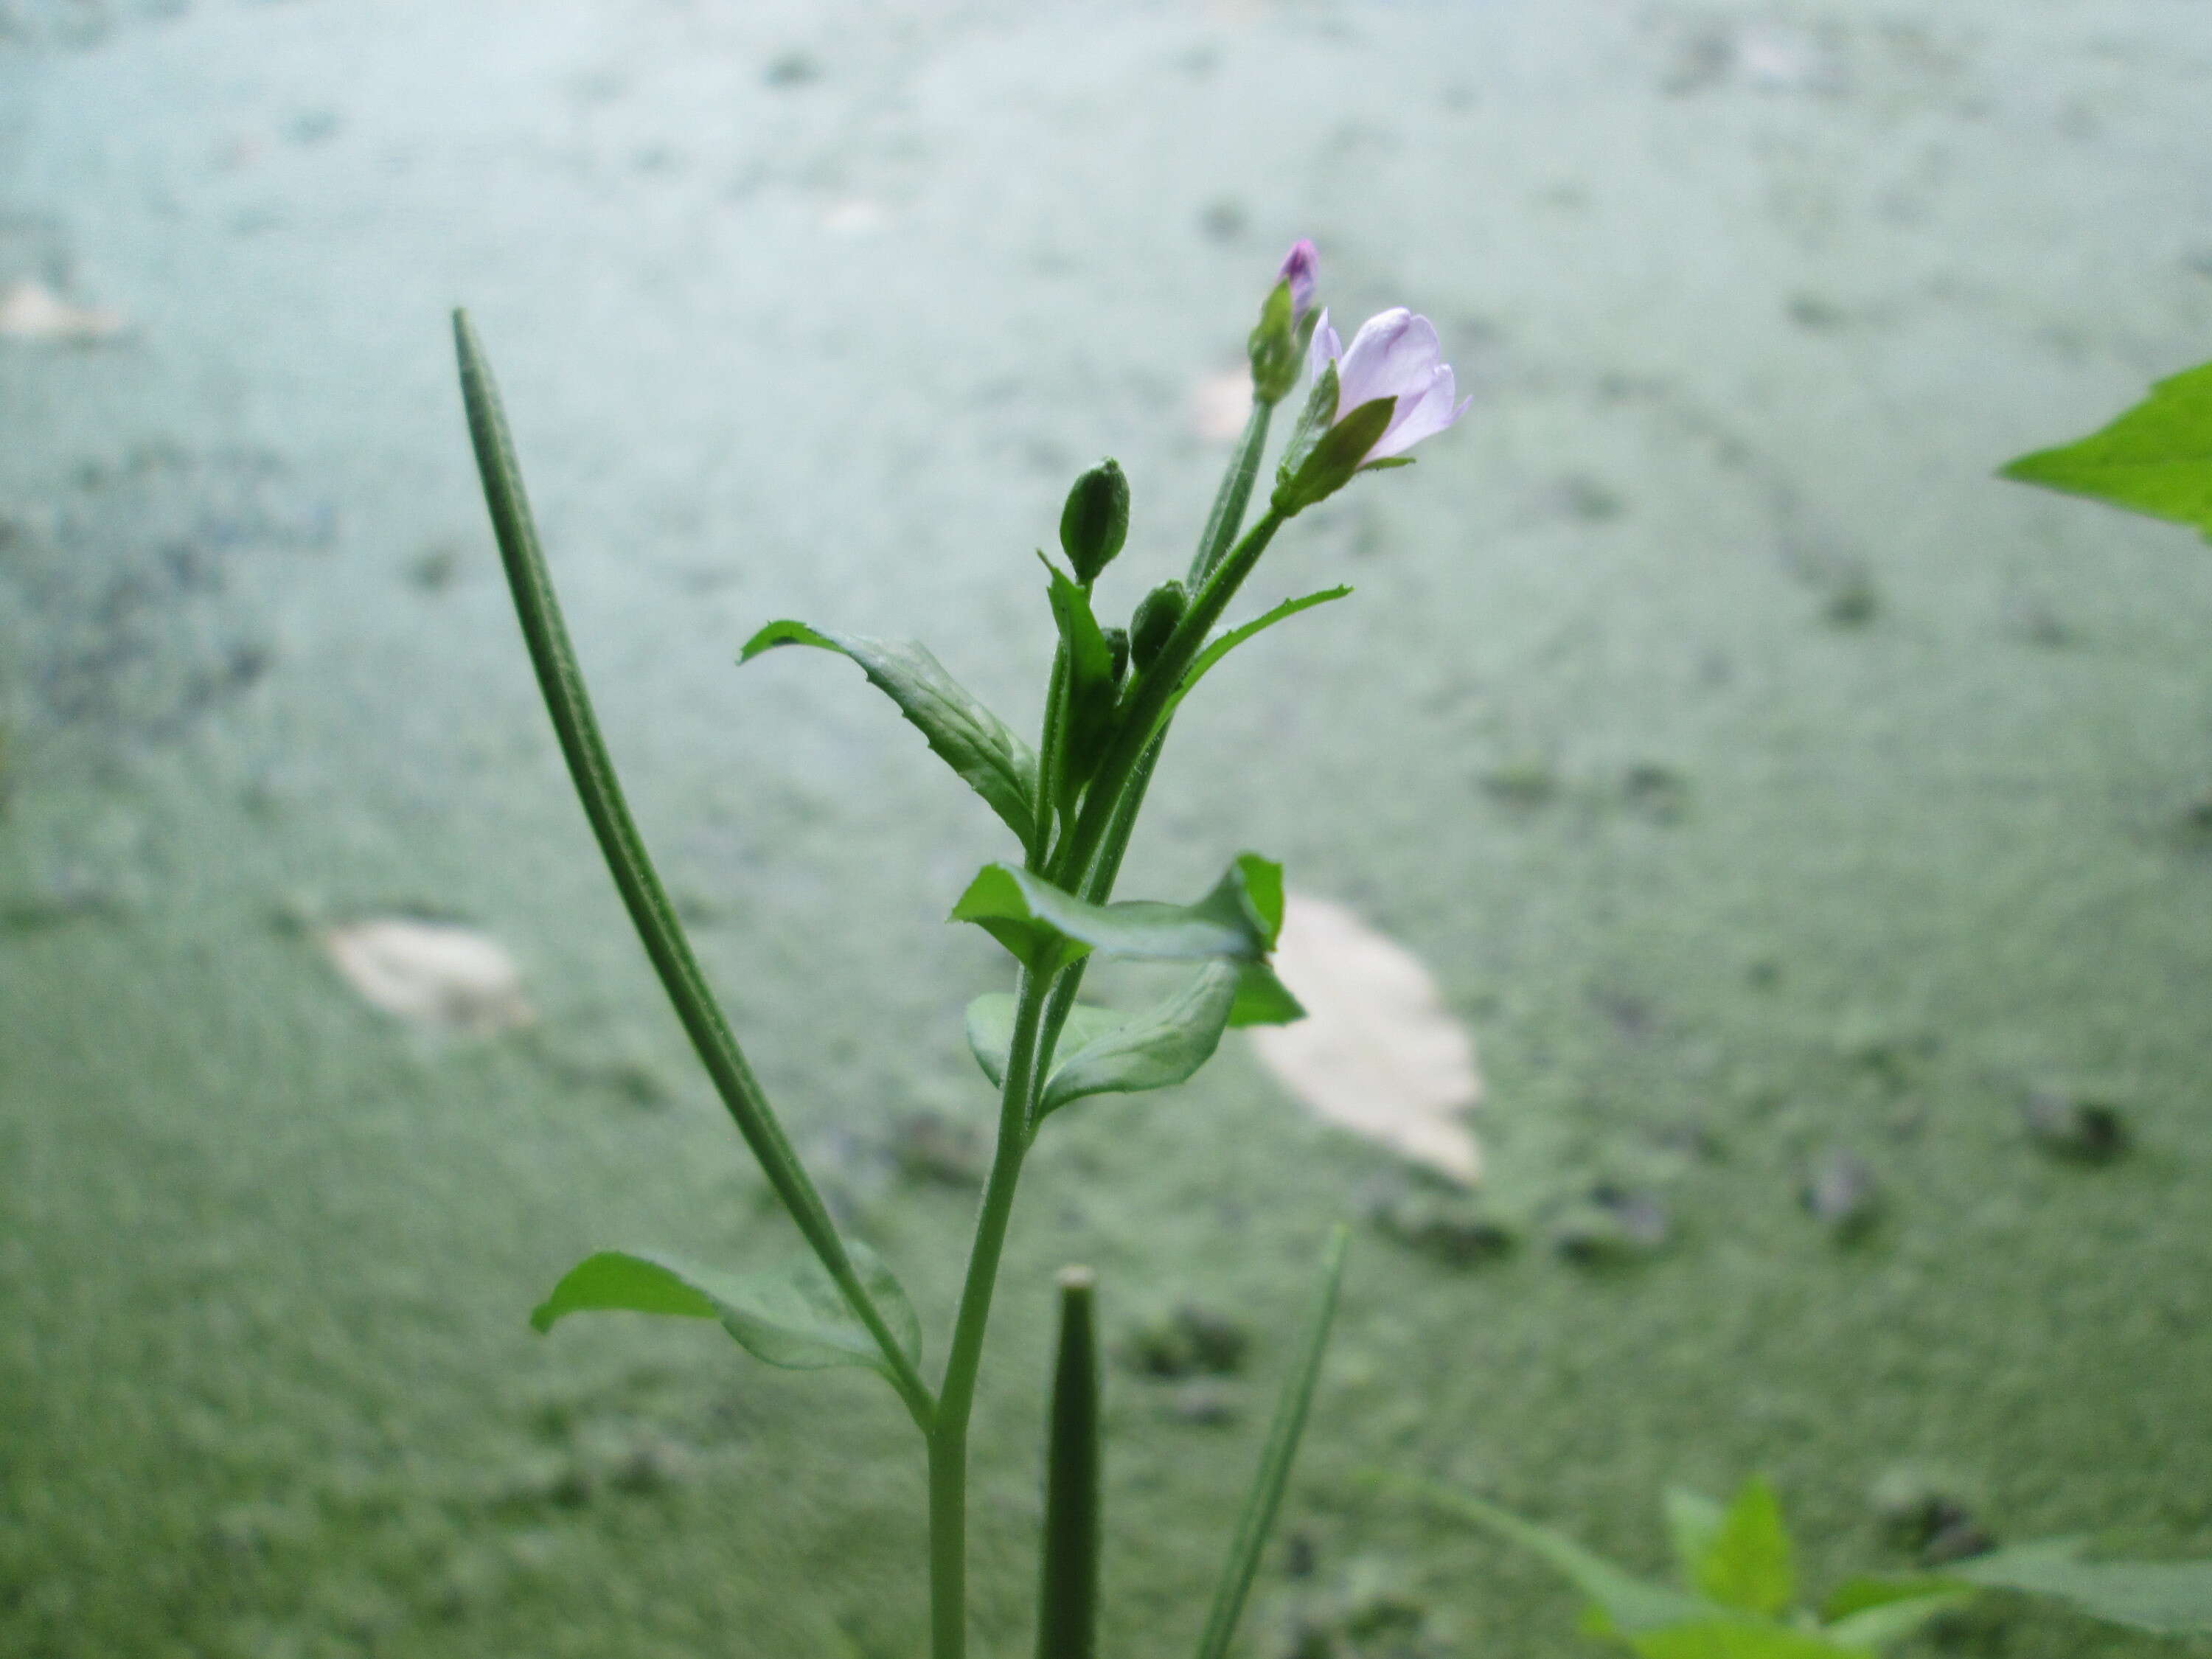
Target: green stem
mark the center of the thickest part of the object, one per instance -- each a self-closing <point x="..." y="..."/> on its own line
<point x="1225" y="518"/>
<point x="1231" y="500"/>
<point x="956" y="1396"/>
<point x="562" y="682"/>
<point x="1137" y="723"/>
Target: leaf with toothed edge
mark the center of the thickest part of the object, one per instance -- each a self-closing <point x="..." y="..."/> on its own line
<point x="975" y="742"/>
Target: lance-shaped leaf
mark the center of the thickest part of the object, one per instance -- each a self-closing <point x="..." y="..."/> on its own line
<point x="1870" y="1614"/>
<point x="1629" y="1605"/>
<point x="792" y="1316"/>
<point x="1235" y="636"/>
<point x="973" y="741"/>
<point x="2155" y="458"/>
<point x="2172" y="1598"/>
<point x="1047" y="927"/>
<point x="1272" y="1476"/>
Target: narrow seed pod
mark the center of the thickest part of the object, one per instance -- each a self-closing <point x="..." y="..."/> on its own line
<point x="1095" y="520"/>
<point x="1158" y="613"/>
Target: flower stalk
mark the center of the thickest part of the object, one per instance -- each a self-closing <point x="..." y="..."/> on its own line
<point x="1072" y="804"/>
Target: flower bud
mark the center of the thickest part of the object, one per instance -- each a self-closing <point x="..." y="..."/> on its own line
<point x="1279" y="341"/>
<point x="1158" y="613"/>
<point x="1095" y="520"/>
<point x="1117" y="652"/>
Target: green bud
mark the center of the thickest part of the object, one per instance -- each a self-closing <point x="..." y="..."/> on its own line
<point x="1277" y="346"/>
<point x="1158" y="613"/>
<point x="1117" y="648"/>
<point x="1095" y="520"/>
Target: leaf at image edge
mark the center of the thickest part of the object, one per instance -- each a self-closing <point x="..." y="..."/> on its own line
<point x="2170" y="1598"/>
<point x="2154" y="459"/>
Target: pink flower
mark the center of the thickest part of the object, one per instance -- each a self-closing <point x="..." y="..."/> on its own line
<point x="1394" y="354"/>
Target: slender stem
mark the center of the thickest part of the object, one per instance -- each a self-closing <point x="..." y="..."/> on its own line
<point x="1149" y="697"/>
<point x="1227" y="517"/>
<point x="955" y="1397"/>
<point x="561" y="682"/>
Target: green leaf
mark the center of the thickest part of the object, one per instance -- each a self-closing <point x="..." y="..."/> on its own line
<point x="1281" y="1450"/>
<point x="2155" y="458"/>
<point x="1748" y="1564"/>
<point x="971" y="739"/>
<point x="1694" y="1523"/>
<point x="1164" y="1045"/>
<point x="1263" y="1000"/>
<point x="1631" y="1605"/>
<point x="560" y="680"/>
<point x="1044" y="925"/>
<point x="1868" y="1614"/>
<point x="991" y="1030"/>
<point x="794" y="1316"/>
<point x="1732" y="1639"/>
<point x="2171" y="1598"/>
<point x="1330" y="465"/>
<point x="1237" y="636"/>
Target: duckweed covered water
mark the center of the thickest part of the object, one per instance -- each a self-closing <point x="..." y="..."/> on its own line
<point x="1765" y="786"/>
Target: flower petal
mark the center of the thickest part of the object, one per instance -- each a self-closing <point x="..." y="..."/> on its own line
<point x="1325" y="350"/>
<point x="1421" y="416"/>
<point x="1365" y="372"/>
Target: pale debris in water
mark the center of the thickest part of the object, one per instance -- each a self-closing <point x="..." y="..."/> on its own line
<point x="434" y="974"/>
<point x="29" y="311"/>
<point x="1377" y="1054"/>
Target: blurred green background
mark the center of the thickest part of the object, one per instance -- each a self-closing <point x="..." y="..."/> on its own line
<point x="1763" y="782"/>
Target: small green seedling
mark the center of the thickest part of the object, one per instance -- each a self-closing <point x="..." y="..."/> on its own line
<point x="1070" y="803"/>
<point x="1738" y="1595"/>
